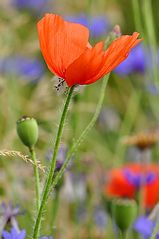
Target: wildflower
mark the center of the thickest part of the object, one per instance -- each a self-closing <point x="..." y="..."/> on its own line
<point x="142" y="140"/>
<point x="136" y="178"/>
<point x="135" y="63"/>
<point x="98" y="25"/>
<point x="139" y="61"/>
<point x="81" y="19"/>
<point x="144" y="226"/>
<point x="14" y="234"/>
<point x="69" y="55"/>
<point x="34" y="6"/>
<point x="125" y="181"/>
<point x="28" y="68"/>
<point x="8" y="214"/>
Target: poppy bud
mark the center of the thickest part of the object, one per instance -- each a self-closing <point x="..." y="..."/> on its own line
<point x="27" y="129"/>
<point x="124" y="213"/>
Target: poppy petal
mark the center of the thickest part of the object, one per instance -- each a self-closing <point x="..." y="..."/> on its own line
<point x="118" y="185"/>
<point x="86" y="66"/>
<point x="61" y="42"/>
<point x="94" y="64"/>
<point x="116" y="53"/>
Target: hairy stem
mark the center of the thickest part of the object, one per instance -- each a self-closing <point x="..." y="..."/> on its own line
<point x="36" y="175"/>
<point x="82" y="137"/>
<point x="49" y="179"/>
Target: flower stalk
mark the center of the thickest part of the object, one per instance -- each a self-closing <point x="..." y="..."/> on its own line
<point x="83" y="135"/>
<point x="36" y="175"/>
<point x="137" y="15"/>
<point x="151" y="36"/>
<point x="49" y="179"/>
<point x="123" y="235"/>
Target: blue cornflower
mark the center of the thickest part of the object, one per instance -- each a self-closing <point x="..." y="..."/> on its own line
<point x="98" y="25"/>
<point x="144" y="226"/>
<point x="137" y="179"/>
<point x="81" y="18"/>
<point x="8" y="214"/>
<point x="14" y="234"/>
<point x="36" y="6"/>
<point x="28" y="68"/>
<point x="136" y="61"/>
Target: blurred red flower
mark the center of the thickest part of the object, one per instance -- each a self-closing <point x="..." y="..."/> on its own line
<point x="126" y="181"/>
<point x="69" y="55"/>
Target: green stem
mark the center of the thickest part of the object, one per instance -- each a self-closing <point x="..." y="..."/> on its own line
<point x="148" y="17"/>
<point x="123" y="235"/>
<point x="49" y="179"/>
<point x="36" y="175"/>
<point x="151" y="36"/>
<point x="77" y="143"/>
<point x="137" y="15"/>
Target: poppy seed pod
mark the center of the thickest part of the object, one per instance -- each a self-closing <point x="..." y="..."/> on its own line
<point x="124" y="213"/>
<point x="27" y="129"/>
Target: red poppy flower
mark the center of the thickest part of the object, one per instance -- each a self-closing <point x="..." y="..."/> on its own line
<point x="69" y="55"/>
<point x="121" y="184"/>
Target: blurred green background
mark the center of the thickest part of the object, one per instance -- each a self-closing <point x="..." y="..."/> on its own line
<point x="27" y="88"/>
